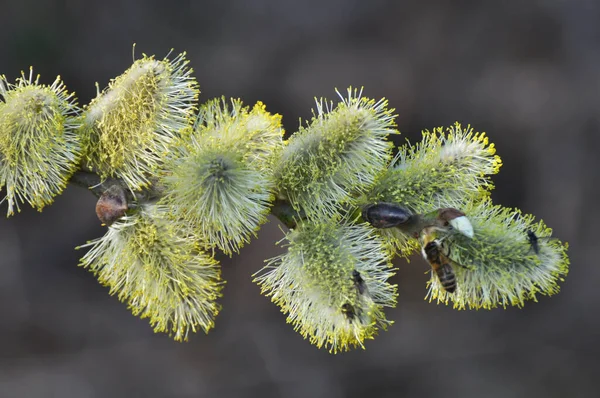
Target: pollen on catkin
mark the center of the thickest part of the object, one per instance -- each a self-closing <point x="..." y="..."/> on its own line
<point x="130" y="127"/>
<point x="449" y="164"/>
<point x="338" y="155"/>
<point x="39" y="149"/>
<point x="498" y="266"/>
<point x="220" y="181"/>
<point x="332" y="283"/>
<point x="156" y="266"/>
<point x="254" y="132"/>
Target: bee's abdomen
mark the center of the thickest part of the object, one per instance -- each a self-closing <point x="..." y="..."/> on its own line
<point x="447" y="278"/>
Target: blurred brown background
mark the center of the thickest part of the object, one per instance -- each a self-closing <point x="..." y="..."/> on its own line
<point x="525" y="72"/>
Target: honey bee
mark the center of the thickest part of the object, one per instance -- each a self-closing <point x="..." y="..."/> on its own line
<point x="359" y="282"/>
<point x="348" y="311"/>
<point x="356" y="312"/>
<point x="440" y="263"/>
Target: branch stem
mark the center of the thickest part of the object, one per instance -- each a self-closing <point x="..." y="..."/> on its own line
<point x="281" y="209"/>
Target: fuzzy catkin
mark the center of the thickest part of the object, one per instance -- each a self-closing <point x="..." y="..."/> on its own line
<point x="156" y="266"/>
<point x="336" y="156"/>
<point x="39" y="148"/>
<point x="130" y="127"/>
<point x="313" y="283"/>
<point x="220" y="180"/>
<point x="449" y="165"/>
<point x="498" y="267"/>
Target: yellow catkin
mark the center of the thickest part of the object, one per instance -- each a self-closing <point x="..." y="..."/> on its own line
<point x="39" y="149"/>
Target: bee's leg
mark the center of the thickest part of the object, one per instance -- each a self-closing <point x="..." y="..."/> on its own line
<point x="448" y="248"/>
<point x="470" y="268"/>
<point x="449" y="252"/>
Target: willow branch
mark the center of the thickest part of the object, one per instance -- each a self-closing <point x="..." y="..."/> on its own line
<point x="281" y="209"/>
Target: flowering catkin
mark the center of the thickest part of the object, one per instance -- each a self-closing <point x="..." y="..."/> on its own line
<point x="220" y="180"/>
<point x="39" y="149"/>
<point x="332" y="283"/>
<point x="337" y="155"/>
<point x="499" y="266"/>
<point x="157" y="267"/>
<point x="449" y="164"/>
<point x="130" y="127"/>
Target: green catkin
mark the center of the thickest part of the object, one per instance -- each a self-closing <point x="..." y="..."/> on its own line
<point x="449" y="164"/>
<point x="255" y="133"/>
<point x="130" y="127"/>
<point x="338" y="155"/>
<point x="157" y="267"/>
<point x="39" y="149"/>
<point x="220" y="180"/>
<point x="313" y="283"/>
<point x="498" y="267"/>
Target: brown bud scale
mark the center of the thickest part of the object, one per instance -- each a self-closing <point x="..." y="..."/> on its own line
<point x="112" y="205"/>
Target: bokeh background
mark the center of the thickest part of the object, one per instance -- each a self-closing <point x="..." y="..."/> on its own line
<point x="526" y="72"/>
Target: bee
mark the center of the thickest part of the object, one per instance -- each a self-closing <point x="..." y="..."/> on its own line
<point x="352" y="312"/>
<point x="359" y="282"/>
<point x="440" y="263"/>
<point x="348" y="311"/>
<point x="386" y="215"/>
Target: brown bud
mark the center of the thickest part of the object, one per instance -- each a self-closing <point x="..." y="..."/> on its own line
<point x="112" y="205"/>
